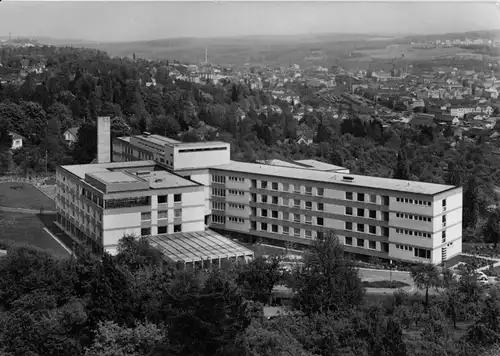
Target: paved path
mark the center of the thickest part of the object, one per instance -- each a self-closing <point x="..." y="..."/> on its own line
<point x="27" y="211"/>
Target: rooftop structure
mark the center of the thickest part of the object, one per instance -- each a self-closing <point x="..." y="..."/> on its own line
<point x="203" y="246"/>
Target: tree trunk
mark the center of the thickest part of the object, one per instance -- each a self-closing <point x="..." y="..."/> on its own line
<point x="427" y="297"/>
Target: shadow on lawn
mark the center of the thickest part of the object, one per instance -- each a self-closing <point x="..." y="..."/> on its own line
<point x="49" y="221"/>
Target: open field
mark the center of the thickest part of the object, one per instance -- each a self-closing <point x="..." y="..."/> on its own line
<point x="396" y="51"/>
<point x="22" y="229"/>
<point x="23" y="195"/>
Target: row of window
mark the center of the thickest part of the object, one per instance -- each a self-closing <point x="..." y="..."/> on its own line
<point x="413" y="217"/>
<point x="146" y="231"/>
<point x="372" y="214"/>
<point x="415" y="201"/>
<point x="417" y="252"/>
<point x="235" y="192"/>
<point x="413" y="233"/>
<point x="162" y="214"/>
<point x="236" y="220"/>
<point x="296" y="188"/>
<point x="218" y="205"/>
<point x="371" y="228"/>
<point x="236" y="179"/>
<point x="297" y="203"/>
<point x="361" y="243"/>
<point x="286" y="216"/>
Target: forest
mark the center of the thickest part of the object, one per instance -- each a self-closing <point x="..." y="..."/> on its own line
<point x="138" y="304"/>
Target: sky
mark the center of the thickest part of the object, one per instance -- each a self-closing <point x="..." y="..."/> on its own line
<point x="141" y="20"/>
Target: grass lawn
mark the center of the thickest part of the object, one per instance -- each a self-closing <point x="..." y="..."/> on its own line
<point x="29" y="229"/>
<point x="23" y="195"/>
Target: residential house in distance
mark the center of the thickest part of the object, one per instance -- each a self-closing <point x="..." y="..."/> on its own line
<point x="17" y="141"/>
<point x="71" y="135"/>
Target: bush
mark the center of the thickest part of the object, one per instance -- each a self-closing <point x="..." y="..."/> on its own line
<point x="385" y="284"/>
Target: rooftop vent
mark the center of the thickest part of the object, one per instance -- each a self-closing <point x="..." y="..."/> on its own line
<point x="348" y="179"/>
<point x="142" y="173"/>
<point x="158" y="180"/>
<point x="146" y="134"/>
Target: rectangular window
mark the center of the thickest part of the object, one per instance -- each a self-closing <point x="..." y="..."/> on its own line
<point x="296" y="188"/>
<point x="146" y="231"/>
<point x="286" y="216"/>
<point x="145" y="216"/>
<point x="162" y="214"/>
<point x="274" y="214"/>
<point x="320" y="206"/>
<point x="217" y="219"/>
<point x="308" y="220"/>
<point x="361" y="212"/>
<point x="372" y="245"/>
<point x="263" y="198"/>
<point x="286" y="187"/>
<point x="385" y="200"/>
<point x="263" y="184"/>
<point x="373" y="199"/>
<point x="263" y="226"/>
<point x="319" y="221"/>
<point x="385" y="215"/>
<point x="373" y="214"/>
<point x="218" y="192"/>
<point x="177" y="213"/>
<point x="274" y="200"/>
<point x="162" y="199"/>
<point x="348" y="196"/>
<point x="274" y="185"/>
<point x="162" y="229"/>
<point x="308" y="234"/>
<point x="360" y="242"/>
<point x="361" y="196"/>
<point x="372" y="229"/>
<point x="178" y="228"/>
<point x="309" y="191"/>
<point x="177" y="198"/>
<point x="320" y="192"/>
<point x="309" y="205"/>
<point x="296" y="218"/>
<point x="285" y="202"/>
<point x="263" y="213"/>
<point x="348" y="225"/>
<point x="286" y="230"/>
<point x="296" y="203"/>
<point x="348" y="240"/>
<point x="296" y="232"/>
<point x="348" y="210"/>
<point x="274" y="228"/>
<point x="361" y="227"/>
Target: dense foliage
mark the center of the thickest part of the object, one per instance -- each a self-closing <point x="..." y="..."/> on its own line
<point x="135" y="303"/>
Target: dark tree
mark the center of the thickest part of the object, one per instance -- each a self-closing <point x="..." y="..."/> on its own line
<point x="402" y="170"/>
<point x="471" y="203"/>
<point x="85" y="148"/>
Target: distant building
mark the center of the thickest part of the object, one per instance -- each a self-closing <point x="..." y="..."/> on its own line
<point x="17" y="141"/>
<point x="71" y="135"/>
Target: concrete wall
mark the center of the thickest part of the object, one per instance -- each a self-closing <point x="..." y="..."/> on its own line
<point x="103" y="139"/>
<point x="186" y="160"/>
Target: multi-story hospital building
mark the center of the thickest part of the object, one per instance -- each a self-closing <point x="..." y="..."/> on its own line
<point x="282" y="201"/>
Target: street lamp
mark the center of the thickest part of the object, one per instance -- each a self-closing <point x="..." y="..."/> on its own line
<point x="390" y="272"/>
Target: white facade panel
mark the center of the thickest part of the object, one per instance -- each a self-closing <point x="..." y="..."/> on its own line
<point x="114" y="221"/>
<point x="193" y="226"/>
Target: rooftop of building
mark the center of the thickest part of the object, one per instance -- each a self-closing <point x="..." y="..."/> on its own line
<point x="320" y="166"/>
<point x="279" y="162"/>
<point x="337" y="178"/>
<point x="148" y="173"/>
<point x="80" y="170"/>
<point x="198" y="246"/>
<point x="162" y="141"/>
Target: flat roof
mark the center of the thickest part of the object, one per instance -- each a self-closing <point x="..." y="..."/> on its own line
<point x="164" y="179"/>
<point x="202" y="144"/>
<point x="159" y="140"/>
<point x="197" y="246"/>
<point x="336" y="178"/>
<point x="320" y="166"/>
<point x="279" y="162"/>
<point x="114" y="177"/>
<point x="81" y="169"/>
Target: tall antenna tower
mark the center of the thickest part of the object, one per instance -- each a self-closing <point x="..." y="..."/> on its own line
<point x="206" y="55"/>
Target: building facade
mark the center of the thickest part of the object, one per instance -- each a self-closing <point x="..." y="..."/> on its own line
<point x="298" y="202"/>
<point x="98" y="204"/>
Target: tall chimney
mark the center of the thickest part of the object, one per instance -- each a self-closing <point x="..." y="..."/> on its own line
<point x="103" y="139"/>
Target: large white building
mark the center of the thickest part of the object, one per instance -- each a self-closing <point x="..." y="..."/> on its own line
<point x="295" y="202"/>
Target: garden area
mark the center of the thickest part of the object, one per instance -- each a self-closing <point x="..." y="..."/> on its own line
<point x="23" y="196"/>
